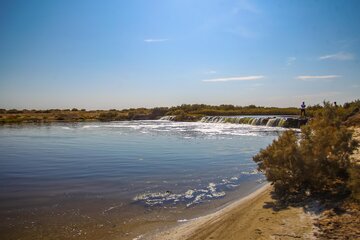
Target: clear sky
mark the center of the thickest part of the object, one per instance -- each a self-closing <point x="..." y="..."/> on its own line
<point x="119" y="54"/>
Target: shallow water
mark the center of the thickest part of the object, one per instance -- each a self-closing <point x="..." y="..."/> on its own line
<point x="133" y="170"/>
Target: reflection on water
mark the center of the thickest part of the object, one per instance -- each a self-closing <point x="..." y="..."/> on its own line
<point x="123" y="165"/>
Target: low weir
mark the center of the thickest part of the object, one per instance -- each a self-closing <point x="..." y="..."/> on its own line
<point x="168" y="118"/>
<point x="269" y="121"/>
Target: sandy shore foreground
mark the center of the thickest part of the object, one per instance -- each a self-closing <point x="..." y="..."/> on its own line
<point x="251" y="217"/>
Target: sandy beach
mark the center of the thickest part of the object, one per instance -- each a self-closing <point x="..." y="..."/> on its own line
<point x="251" y="217"/>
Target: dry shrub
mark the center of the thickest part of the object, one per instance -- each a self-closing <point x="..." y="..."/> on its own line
<point x="318" y="160"/>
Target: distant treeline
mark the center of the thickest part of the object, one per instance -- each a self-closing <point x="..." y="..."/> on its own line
<point x="185" y="112"/>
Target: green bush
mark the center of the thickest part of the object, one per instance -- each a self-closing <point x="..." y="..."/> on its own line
<point x="316" y="161"/>
<point x="282" y="163"/>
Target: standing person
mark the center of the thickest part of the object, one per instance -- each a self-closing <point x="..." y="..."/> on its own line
<point x="303" y="106"/>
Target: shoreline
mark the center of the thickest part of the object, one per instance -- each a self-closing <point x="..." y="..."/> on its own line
<point x="183" y="230"/>
<point x="291" y="121"/>
<point x="192" y="112"/>
<point x="246" y="218"/>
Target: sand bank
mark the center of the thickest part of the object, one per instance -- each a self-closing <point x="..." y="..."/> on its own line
<point x="251" y="217"/>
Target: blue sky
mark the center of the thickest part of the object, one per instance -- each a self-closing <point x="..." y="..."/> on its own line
<point x="120" y="54"/>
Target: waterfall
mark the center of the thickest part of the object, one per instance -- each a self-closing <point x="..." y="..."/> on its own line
<point x="287" y="122"/>
<point x="256" y="121"/>
<point x="272" y="122"/>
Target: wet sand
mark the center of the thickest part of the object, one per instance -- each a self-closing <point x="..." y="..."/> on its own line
<point x="248" y="218"/>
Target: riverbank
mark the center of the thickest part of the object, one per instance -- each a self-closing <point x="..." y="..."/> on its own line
<point x="185" y="113"/>
<point x="252" y="217"/>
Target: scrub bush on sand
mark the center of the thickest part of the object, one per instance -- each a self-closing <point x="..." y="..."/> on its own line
<point x="316" y="161"/>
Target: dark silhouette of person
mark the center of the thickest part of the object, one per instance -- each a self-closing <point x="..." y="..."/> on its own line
<point x="335" y="104"/>
<point x="302" y="113"/>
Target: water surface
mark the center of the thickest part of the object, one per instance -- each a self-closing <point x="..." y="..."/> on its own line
<point x="121" y="171"/>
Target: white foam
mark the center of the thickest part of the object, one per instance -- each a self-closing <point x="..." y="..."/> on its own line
<point x="212" y="187"/>
<point x="182" y="220"/>
<point x="219" y="130"/>
<point x="195" y="196"/>
<point x="91" y="126"/>
<point x="218" y="194"/>
<point x="189" y="194"/>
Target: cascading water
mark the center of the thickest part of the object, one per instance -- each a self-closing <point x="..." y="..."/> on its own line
<point x="168" y="118"/>
<point x="287" y="122"/>
<point x="256" y="121"/>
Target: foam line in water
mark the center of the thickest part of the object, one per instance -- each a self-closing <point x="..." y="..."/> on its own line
<point x="193" y="196"/>
<point x="188" y="129"/>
